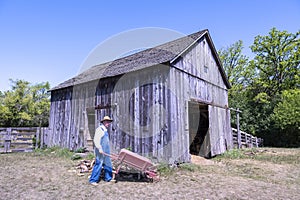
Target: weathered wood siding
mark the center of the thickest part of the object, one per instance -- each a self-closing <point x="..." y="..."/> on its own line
<point x="196" y="77"/>
<point x="68" y="116"/>
<point x="141" y="109"/>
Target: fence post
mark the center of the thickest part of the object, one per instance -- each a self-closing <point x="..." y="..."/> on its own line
<point x="256" y="142"/>
<point x="251" y="143"/>
<point x="238" y="128"/>
<point x="7" y="140"/>
<point x="45" y="135"/>
<point x="37" y="138"/>
<point x="42" y="137"/>
<point x="239" y="137"/>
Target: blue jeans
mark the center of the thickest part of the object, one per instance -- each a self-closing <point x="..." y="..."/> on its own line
<point x="96" y="173"/>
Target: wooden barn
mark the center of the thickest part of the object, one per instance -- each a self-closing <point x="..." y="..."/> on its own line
<point x="167" y="102"/>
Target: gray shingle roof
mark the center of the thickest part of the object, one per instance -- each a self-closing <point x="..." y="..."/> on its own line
<point x="149" y="57"/>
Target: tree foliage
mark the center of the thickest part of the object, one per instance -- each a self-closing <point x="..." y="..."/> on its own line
<point x="240" y="75"/>
<point x="287" y="111"/>
<point x="266" y="88"/>
<point x="25" y="105"/>
<point x="286" y="118"/>
<point x="236" y="65"/>
<point x="277" y="61"/>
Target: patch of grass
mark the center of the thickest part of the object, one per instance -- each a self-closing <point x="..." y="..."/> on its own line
<point x="66" y="153"/>
<point x="278" y="159"/>
<point x="129" y="148"/>
<point x="80" y="150"/>
<point x="263" y="154"/>
<point x="90" y="156"/>
<point x="63" y="153"/>
<point x="232" y="154"/>
<point x="164" y="169"/>
<point x="76" y="157"/>
<point x="189" y="167"/>
<point x="54" y="151"/>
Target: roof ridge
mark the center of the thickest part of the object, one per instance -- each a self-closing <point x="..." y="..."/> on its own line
<point x="148" y="49"/>
<point x="162" y="53"/>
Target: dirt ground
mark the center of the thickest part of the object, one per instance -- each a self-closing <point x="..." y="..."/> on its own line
<point x="273" y="174"/>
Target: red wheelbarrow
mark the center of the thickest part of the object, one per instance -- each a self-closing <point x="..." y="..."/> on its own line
<point x="135" y="161"/>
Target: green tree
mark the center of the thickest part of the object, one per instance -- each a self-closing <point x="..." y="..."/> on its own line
<point x="286" y="117"/>
<point x="17" y="101"/>
<point x="240" y="75"/>
<point x="236" y="65"/>
<point x="4" y="111"/>
<point x="41" y="109"/>
<point x="262" y="87"/>
<point x="25" y="105"/>
<point x="287" y="111"/>
<point x="277" y="63"/>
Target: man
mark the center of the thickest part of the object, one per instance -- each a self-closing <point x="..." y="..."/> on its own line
<point x="101" y="141"/>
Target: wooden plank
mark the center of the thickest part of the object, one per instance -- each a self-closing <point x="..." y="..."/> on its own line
<point x="23" y="139"/>
<point x="23" y="133"/>
<point x="20" y="143"/>
<point x="22" y="150"/>
<point x="25" y="129"/>
<point x="66" y="130"/>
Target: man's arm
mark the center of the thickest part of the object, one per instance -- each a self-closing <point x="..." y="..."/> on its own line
<point x="97" y="138"/>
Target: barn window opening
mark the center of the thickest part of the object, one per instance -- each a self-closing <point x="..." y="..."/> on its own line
<point x="198" y="128"/>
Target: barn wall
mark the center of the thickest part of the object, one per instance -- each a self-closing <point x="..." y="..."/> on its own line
<point x="141" y="111"/>
<point x="197" y="78"/>
<point x="59" y="111"/>
<point x="139" y="103"/>
<point x="68" y="116"/>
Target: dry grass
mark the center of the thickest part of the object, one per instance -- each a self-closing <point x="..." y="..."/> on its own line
<point x="253" y="174"/>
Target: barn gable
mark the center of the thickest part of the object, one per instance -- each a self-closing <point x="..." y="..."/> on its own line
<point x="205" y="67"/>
<point x="159" y="98"/>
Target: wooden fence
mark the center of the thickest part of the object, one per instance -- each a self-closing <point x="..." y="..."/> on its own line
<point x="22" y="139"/>
<point x="246" y="140"/>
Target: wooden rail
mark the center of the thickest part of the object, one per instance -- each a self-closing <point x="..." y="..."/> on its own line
<point x="22" y="139"/>
<point x="247" y="140"/>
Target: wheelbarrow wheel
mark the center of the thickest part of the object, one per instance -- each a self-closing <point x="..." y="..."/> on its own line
<point x="117" y="176"/>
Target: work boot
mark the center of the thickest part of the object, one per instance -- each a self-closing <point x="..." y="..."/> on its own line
<point x="94" y="184"/>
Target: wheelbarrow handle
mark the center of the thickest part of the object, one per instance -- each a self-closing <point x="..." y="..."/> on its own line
<point x="113" y="156"/>
<point x="106" y="154"/>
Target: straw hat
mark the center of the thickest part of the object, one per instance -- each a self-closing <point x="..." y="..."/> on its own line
<point x="106" y="118"/>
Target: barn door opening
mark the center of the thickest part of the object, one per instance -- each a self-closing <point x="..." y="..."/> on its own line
<point x="91" y="117"/>
<point x="111" y="111"/>
<point x="198" y="128"/>
<point x="94" y="115"/>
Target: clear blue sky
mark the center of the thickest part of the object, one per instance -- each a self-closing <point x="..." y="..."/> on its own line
<point x="48" y="40"/>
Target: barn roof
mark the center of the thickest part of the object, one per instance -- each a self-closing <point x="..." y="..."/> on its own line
<point x="164" y="53"/>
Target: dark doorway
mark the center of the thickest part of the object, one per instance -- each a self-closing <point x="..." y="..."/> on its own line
<point x="91" y="117"/>
<point x="198" y="128"/>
